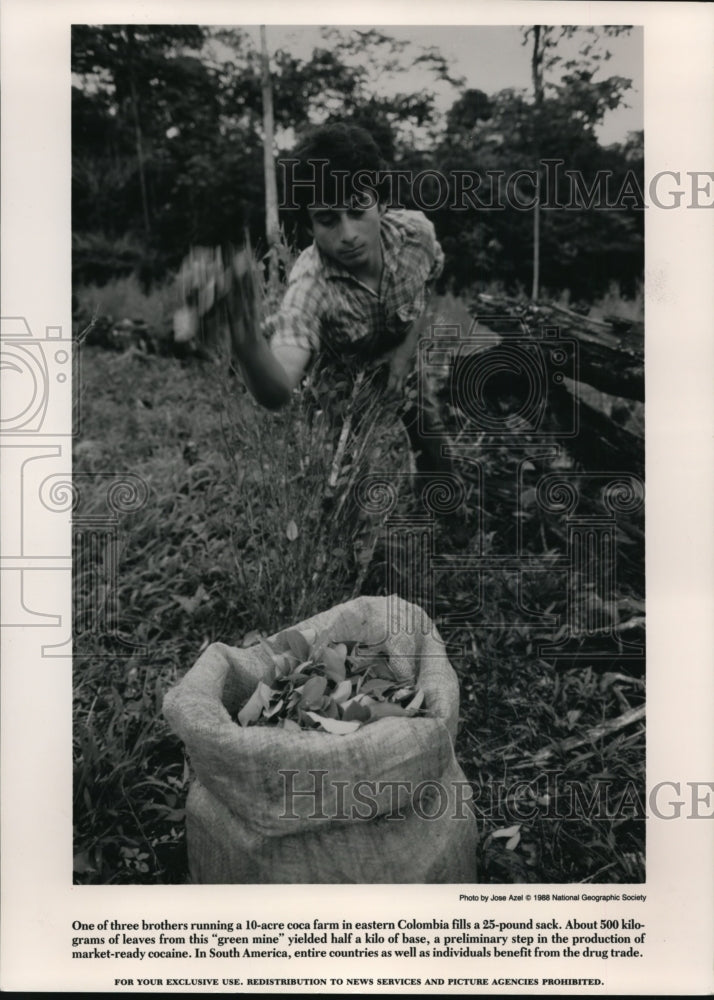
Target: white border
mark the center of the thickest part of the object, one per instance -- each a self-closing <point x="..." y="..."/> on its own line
<point x="38" y="900"/>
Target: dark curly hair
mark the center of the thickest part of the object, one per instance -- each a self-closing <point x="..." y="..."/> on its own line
<point x="330" y="164"/>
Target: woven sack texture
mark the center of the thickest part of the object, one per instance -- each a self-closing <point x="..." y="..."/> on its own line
<point x="358" y="820"/>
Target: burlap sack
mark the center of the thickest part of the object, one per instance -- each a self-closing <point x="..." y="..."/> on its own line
<point x="387" y="803"/>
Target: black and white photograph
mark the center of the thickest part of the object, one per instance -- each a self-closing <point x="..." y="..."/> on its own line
<point x="354" y="399"/>
<point x="357" y="331"/>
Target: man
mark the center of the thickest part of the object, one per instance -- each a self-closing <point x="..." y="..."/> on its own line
<point x="356" y="297"/>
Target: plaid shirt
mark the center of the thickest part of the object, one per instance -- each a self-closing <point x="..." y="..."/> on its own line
<point x="327" y="310"/>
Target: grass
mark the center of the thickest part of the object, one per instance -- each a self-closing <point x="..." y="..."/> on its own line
<point x="124" y="298"/>
<point x="238" y="535"/>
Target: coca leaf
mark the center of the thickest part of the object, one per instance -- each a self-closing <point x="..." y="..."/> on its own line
<point x="376" y="686"/>
<point x="270" y="712"/>
<point x="284" y="663"/>
<point x="382" y="668"/>
<point x="320" y="640"/>
<point x="313" y="691"/>
<point x="256" y="704"/>
<point x="343" y="691"/>
<point x="383" y="709"/>
<point x="334" y="660"/>
<point x="415" y="704"/>
<point x="364" y="657"/>
<point x="330" y="709"/>
<point x="353" y="711"/>
<point x="338" y="727"/>
<point x="298" y="643"/>
<point x="289" y="724"/>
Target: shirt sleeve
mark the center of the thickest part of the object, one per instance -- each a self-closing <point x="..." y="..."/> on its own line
<point x="424" y="250"/>
<point x="438" y="262"/>
<point x="297" y="322"/>
<point x="432" y="248"/>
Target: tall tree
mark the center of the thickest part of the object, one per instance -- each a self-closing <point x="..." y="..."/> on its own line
<point x="537" y="80"/>
<point x="271" y="186"/>
<point x="131" y="55"/>
<point x="545" y="40"/>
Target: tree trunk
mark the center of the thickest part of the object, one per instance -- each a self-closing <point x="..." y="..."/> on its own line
<point x="535" y="287"/>
<point x="537" y="76"/>
<point x="272" y="230"/>
<point x="137" y="129"/>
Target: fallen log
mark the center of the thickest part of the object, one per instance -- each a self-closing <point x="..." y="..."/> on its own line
<point x="610" y="352"/>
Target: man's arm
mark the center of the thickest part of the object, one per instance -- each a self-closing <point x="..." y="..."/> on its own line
<point x="271" y="376"/>
<point x="206" y="284"/>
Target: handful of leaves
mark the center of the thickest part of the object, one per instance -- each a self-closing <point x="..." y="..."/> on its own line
<point x="333" y="687"/>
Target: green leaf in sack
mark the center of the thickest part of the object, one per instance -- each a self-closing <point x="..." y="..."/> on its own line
<point x="376" y="686"/>
<point x="289" y="724"/>
<point x="353" y="711"/>
<point x="318" y="643"/>
<point x="285" y="663"/>
<point x="253" y="708"/>
<point x="313" y="691"/>
<point x="339" y="727"/>
<point x="415" y="704"/>
<point x="364" y="657"/>
<point x="291" y="530"/>
<point x="298" y="643"/>
<point x="334" y="660"/>
<point x="383" y="709"/>
<point x="329" y="708"/>
<point x="342" y="691"/>
<point x="270" y="712"/>
<point x="382" y="668"/>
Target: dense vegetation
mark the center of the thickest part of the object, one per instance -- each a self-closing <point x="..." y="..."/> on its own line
<point x="167" y="148"/>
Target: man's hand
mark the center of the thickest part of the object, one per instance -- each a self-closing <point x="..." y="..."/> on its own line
<point x="203" y="278"/>
<point x="244" y="301"/>
<point x="202" y="282"/>
<point x="208" y="285"/>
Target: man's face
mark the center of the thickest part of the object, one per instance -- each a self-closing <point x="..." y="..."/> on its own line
<point x="348" y="235"/>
